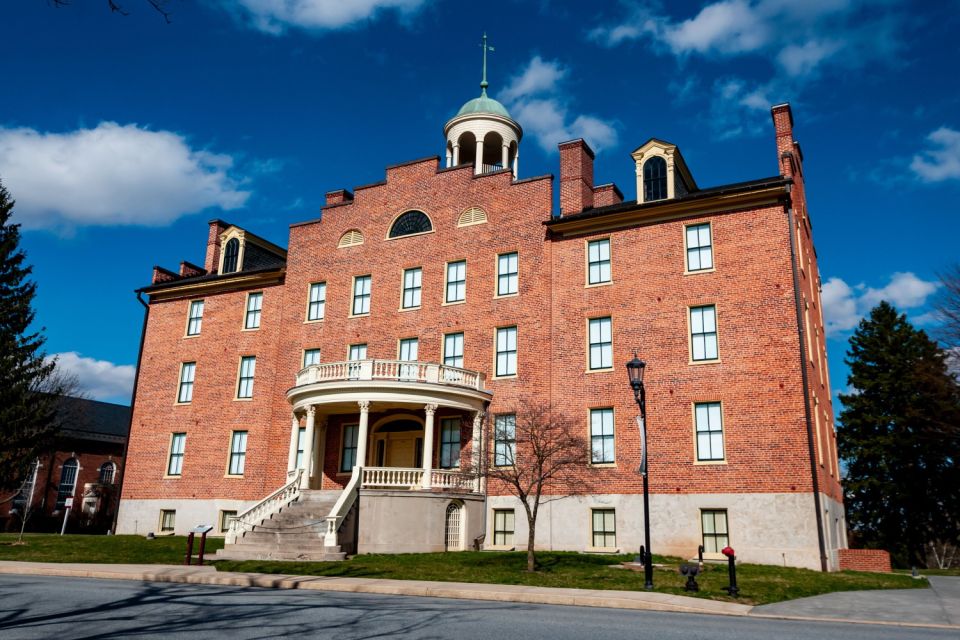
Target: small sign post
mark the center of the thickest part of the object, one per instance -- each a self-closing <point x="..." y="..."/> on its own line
<point x="66" y="514"/>
<point x="203" y="530"/>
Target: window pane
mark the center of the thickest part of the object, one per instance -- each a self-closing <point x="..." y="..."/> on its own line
<point x="318" y="297"/>
<point x="311" y="357"/>
<point x="254" y="305"/>
<point x="706" y="258"/>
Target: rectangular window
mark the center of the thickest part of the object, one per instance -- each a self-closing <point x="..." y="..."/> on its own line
<point x="226" y="517"/>
<point x="238" y="453"/>
<point x="254" y="305"/>
<point x="715" y="536"/>
<point x="195" y="318"/>
<point x="348" y="456"/>
<point x="601" y="436"/>
<point x="168" y="520"/>
<point x="699" y="247"/>
<point x="361" y="295"/>
<point x="507" y="274"/>
<point x="507" y="351"/>
<point x="598" y="261"/>
<point x="503" y="525"/>
<point x="456" y="281"/>
<point x="248" y="367"/>
<point x="709" y="430"/>
<point x="504" y="440"/>
<point x="601" y="343"/>
<point x="450" y="443"/>
<point x="703" y="333"/>
<point x="412" y="287"/>
<point x="453" y="350"/>
<point x="604" y="528"/>
<point x="175" y="463"/>
<point x="187" y="372"/>
<point x="408" y="353"/>
<point x="301" y="438"/>
<point x="357" y="352"/>
<point x="311" y="356"/>
<point x="317" y="304"/>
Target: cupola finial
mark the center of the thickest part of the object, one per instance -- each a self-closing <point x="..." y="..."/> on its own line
<point x="483" y="82"/>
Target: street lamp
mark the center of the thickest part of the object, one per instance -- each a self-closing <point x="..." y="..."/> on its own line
<point x="635" y="369"/>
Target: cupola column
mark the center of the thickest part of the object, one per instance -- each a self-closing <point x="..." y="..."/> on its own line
<point x="456" y="155"/>
<point x="505" y="162"/>
<point x="478" y="163"/>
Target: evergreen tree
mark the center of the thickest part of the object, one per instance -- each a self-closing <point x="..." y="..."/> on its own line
<point x="27" y="412"/>
<point x="899" y="439"/>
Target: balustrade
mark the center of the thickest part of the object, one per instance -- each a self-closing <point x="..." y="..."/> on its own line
<point x="397" y="370"/>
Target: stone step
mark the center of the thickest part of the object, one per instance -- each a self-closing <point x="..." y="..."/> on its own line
<point x="241" y="553"/>
<point x="253" y="537"/>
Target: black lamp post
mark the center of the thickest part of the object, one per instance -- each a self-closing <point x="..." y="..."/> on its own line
<point x="635" y="369"/>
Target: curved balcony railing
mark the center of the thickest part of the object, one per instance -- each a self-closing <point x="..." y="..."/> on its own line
<point x="395" y="370"/>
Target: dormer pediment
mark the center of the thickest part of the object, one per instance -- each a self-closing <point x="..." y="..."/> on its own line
<point x="666" y="158"/>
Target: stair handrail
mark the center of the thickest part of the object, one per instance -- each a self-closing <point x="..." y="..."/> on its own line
<point x="267" y="507"/>
<point x="342" y="508"/>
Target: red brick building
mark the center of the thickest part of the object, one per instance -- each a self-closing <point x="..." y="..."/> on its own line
<point x="394" y="341"/>
<point x="85" y="463"/>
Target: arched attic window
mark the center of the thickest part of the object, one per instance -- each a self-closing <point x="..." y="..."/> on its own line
<point x="654" y="179"/>
<point x="350" y="239"/>
<point x="410" y="223"/>
<point x="230" y="254"/>
<point x="473" y="215"/>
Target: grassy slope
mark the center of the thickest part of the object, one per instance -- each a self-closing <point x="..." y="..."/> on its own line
<point x="759" y="584"/>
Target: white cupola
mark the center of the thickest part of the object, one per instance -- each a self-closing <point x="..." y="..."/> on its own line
<point x="483" y="133"/>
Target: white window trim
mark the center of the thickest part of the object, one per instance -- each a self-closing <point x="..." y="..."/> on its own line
<point x="306" y="314"/>
<point x="713" y="249"/>
<point x="586" y="263"/>
<point x="723" y="432"/>
<point x="716" y="319"/>
<point x="353" y="296"/>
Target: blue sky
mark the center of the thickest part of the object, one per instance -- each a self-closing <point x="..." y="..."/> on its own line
<point x="121" y="136"/>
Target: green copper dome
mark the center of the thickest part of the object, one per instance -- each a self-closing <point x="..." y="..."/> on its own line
<point x="483" y="104"/>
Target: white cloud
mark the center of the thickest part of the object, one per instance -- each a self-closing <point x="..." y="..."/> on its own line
<point x="276" y="16"/>
<point x="101" y="379"/>
<point x="801" y="39"/>
<point x="942" y="162"/>
<point x="843" y="305"/>
<point x="112" y="175"/>
<point x="533" y="97"/>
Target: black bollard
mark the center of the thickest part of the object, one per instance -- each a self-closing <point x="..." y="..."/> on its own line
<point x="641" y="558"/>
<point x="700" y="555"/>
<point x="690" y="571"/>
<point x="733" y="590"/>
<point x="189" y="549"/>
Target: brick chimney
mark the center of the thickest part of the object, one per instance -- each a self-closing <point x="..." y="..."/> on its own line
<point x="212" y="262"/>
<point x="576" y="177"/>
<point x="783" y="129"/>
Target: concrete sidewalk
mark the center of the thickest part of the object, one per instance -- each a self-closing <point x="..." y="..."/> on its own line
<point x="933" y="608"/>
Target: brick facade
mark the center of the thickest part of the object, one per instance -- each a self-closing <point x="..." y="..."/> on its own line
<point x="757" y="379"/>
<point x="865" y="560"/>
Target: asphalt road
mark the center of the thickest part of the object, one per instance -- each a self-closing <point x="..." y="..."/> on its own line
<point x="71" y="608"/>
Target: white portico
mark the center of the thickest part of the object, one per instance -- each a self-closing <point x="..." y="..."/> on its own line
<point x="389" y="485"/>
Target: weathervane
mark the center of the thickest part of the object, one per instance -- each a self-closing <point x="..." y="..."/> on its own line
<point x="485" y="47"/>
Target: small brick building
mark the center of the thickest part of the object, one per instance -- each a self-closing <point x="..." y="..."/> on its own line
<point x="398" y="337"/>
<point x="85" y="463"/>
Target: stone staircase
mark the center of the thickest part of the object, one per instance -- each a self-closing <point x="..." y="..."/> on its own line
<point x="293" y="533"/>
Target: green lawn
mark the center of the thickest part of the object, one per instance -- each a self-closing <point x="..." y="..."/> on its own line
<point x="48" y="547"/>
<point x="759" y="584"/>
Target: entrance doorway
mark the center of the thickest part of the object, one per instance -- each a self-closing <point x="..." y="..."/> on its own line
<point x="399" y="444"/>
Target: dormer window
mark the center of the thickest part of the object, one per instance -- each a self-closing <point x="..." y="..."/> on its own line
<point x="654" y="179"/>
<point x="410" y="223"/>
<point x="230" y="255"/>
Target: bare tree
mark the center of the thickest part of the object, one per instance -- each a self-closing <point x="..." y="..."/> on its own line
<point x="536" y="450"/>
<point x="948" y="307"/>
<point x="115" y="6"/>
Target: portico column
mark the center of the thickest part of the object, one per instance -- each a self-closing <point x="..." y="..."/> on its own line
<point x="308" y="448"/>
<point x="362" y="436"/>
<point x="429" y="409"/>
<point x="478" y="163"/>
<point x="292" y="454"/>
<point x="475" y="452"/>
